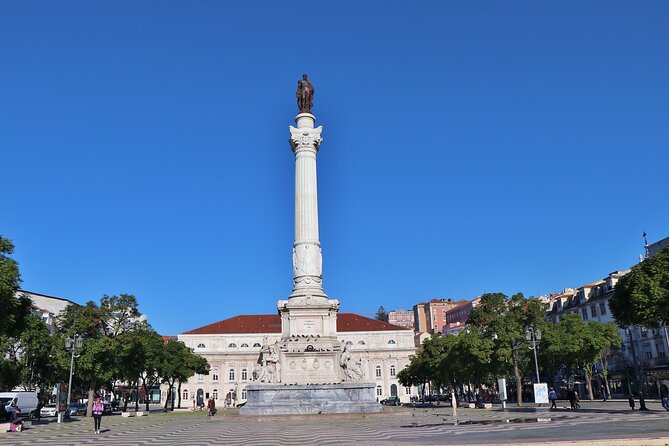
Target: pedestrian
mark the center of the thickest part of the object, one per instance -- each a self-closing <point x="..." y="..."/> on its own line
<point x="664" y="394"/>
<point x="603" y="389"/>
<point x="98" y="408"/>
<point x="631" y="402"/>
<point x="193" y="404"/>
<point x="571" y="396"/>
<point x="552" y="396"/>
<point x="38" y="410"/>
<point x="211" y="405"/>
<point x="576" y="399"/>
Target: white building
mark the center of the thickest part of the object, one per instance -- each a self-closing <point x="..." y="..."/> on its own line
<point x="48" y="307"/>
<point x="232" y="348"/>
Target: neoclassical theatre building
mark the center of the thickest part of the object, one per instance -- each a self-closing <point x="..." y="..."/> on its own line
<point x="232" y="348"/>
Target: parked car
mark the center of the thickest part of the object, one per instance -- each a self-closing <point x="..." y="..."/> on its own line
<point x="26" y="402"/>
<point x="50" y="410"/>
<point x="391" y="401"/>
<point x="76" y="409"/>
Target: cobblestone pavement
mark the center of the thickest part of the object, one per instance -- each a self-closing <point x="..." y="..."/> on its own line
<point x="594" y="424"/>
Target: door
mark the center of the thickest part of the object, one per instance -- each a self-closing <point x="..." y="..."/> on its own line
<point x="200" y="397"/>
<point x="393" y="390"/>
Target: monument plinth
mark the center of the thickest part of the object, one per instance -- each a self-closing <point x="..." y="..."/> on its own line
<point x="308" y="371"/>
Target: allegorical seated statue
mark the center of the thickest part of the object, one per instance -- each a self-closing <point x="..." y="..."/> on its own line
<point x="268" y="372"/>
<point x="352" y="367"/>
<point x="305" y="95"/>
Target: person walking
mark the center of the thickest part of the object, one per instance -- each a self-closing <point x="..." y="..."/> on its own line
<point x="664" y="394"/>
<point x="98" y="408"/>
<point x="571" y="396"/>
<point x="576" y="399"/>
<point x="211" y="405"/>
<point x="552" y="396"/>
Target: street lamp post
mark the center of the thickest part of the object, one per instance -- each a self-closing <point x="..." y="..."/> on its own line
<point x="72" y="344"/>
<point x="637" y="372"/>
<point x="534" y="335"/>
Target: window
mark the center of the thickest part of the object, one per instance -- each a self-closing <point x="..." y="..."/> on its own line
<point x="584" y="312"/>
<point x="649" y="355"/>
<point x="378" y="371"/>
<point x="245" y="375"/>
<point x="231" y="375"/>
<point x="256" y="345"/>
<point x="200" y="378"/>
<point x="184" y="394"/>
<point x="200" y="345"/>
<point x="232" y="345"/>
<point x="392" y="341"/>
<point x="361" y="342"/>
<point x="392" y="370"/>
<point x="602" y="308"/>
<point x="214" y="394"/>
<point x="379" y="391"/>
<point x="243" y="394"/>
<point x="244" y="345"/>
<point x="214" y="375"/>
<point x="407" y="390"/>
<point x="593" y="310"/>
<point x="349" y="342"/>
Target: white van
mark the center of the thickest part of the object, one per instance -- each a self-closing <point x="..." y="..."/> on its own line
<point x="26" y="401"/>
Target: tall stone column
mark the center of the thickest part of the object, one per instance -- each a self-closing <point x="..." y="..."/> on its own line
<point x="307" y="256"/>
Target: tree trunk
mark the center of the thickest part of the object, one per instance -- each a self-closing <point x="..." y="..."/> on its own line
<point x="172" y="398"/>
<point x="137" y="395"/>
<point x="146" y="394"/>
<point x="605" y="367"/>
<point x="91" y="396"/>
<point x="179" y="395"/>
<point x="169" y="394"/>
<point x="588" y="379"/>
<point x="519" y="382"/>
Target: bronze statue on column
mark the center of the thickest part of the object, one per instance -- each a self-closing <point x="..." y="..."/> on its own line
<point x="305" y="95"/>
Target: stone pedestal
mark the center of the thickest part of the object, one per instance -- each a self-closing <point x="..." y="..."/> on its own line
<point x="310" y="399"/>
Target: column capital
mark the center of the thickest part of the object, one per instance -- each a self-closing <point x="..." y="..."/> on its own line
<point x="305" y="139"/>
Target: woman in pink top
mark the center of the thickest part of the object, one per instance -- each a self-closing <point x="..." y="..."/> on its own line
<point x="98" y="408"/>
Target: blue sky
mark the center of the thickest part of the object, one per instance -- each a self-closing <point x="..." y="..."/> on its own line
<point x="469" y="147"/>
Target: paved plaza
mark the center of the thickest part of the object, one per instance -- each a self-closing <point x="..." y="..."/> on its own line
<point x="608" y="423"/>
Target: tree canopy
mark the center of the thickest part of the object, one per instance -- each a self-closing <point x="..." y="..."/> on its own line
<point x="641" y="296"/>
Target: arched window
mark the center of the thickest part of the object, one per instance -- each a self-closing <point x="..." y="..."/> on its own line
<point x="200" y="345"/>
<point x="245" y="375"/>
<point x="392" y="342"/>
<point x="349" y="342"/>
<point x="256" y="345"/>
<point x="214" y="394"/>
<point x="231" y="375"/>
<point x="243" y="394"/>
<point x="232" y="345"/>
<point x="244" y="345"/>
<point x="392" y="371"/>
<point x="379" y="391"/>
<point x="361" y="342"/>
<point x="378" y="371"/>
<point x="184" y="394"/>
<point x="214" y="375"/>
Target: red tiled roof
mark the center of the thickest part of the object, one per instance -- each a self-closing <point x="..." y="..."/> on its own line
<point x="271" y="323"/>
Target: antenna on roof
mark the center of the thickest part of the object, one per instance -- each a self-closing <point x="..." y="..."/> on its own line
<point x="645" y="243"/>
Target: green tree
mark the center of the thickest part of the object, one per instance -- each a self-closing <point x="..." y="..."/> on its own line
<point x="104" y="356"/>
<point x="15" y="307"/>
<point x="179" y="363"/>
<point x="641" y="296"/>
<point x="504" y="320"/>
<point x="381" y="314"/>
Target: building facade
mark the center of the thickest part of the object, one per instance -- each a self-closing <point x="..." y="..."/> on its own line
<point x="232" y="348"/>
<point x="430" y="317"/>
<point x="401" y="318"/>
